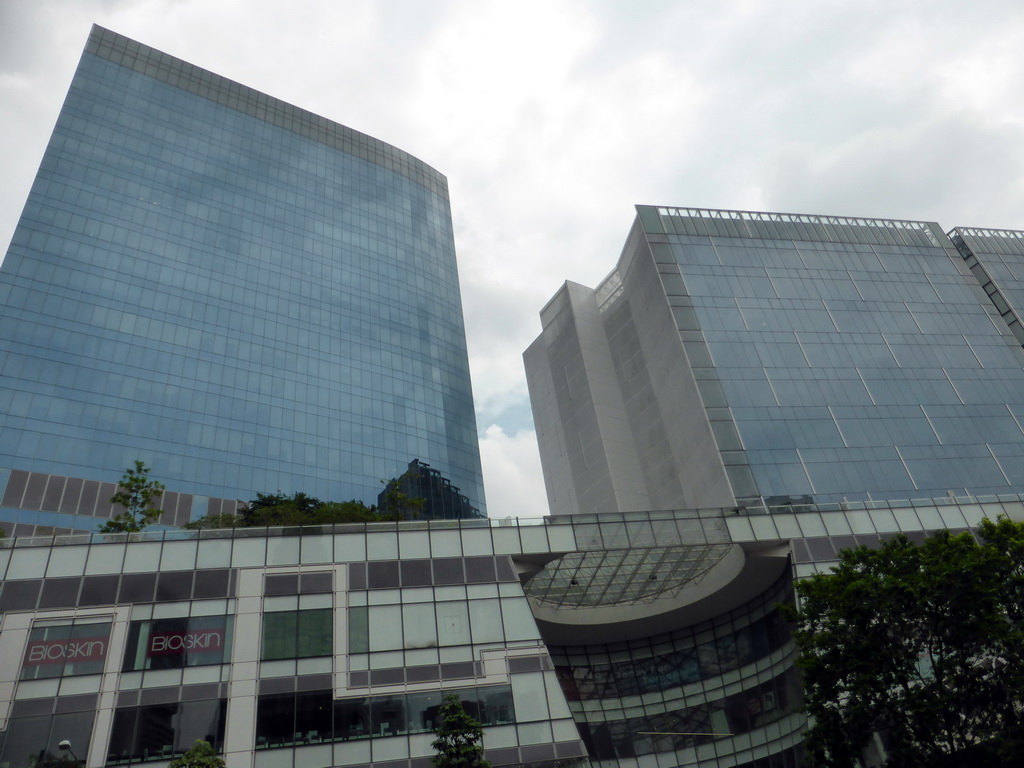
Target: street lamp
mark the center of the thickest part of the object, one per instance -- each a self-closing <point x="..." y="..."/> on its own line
<point x="65" y="746"/>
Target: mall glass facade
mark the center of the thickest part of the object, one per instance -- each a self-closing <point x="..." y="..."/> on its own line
<point x="245" y="296"/>
<point x="335" y="646"/>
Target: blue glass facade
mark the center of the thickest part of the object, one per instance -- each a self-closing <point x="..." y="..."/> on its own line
<point x="765" y="359"/>
<point x="247" y="297"/>
<point x="996" y="259"/>
<point x="843" y="358"/>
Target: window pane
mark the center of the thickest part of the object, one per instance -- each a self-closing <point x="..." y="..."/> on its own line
<point x="358" y="629"/>
<point x="176" y="643"/>
<point x="275" y="720"/>
<point x="26" y="742"/>
<point x="496" y="705"/>
<point x="162" y="731"/>
<point x="313" y="717"/>
<point x="155" y="733"/>
<point x="485" y="619"/>
<point x="122" y="738"/>
<point x="385" y="627"/>
<point x="418" y="621"/>
<point x="519" y="622"/>
<point x="44" y="656"/>
<point x="422" y="710"/>
<point x="452" y="623"/>
<point x="163" y="641"/>
<point x="351" y="719"/>
<point x="72" y="648"/>
<point x="199" y="720"/>
<point x="279" y="635"/>
<point x="387" y="715"/>
<point x="315" y="635"/>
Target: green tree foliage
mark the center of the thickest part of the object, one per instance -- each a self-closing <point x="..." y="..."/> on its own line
<point x="923" y="644"/>
<point x="138" y="495"/>
<point x="297" y="509"/>
<point x="458" y="737"/>
<point x="276" y="509"/>
<point x="201" y="755"/>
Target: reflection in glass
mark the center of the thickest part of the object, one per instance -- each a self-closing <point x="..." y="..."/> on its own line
<point x="682" y="728"/>
<point x="162" y="731"/>
<point x="66" y="647"/>
<point x="627" y="677"/>
<point x="32" y="741"/>
<point x="287" y="720"/>
<point x="297" y="634"/>
<point x="179" y="642"/>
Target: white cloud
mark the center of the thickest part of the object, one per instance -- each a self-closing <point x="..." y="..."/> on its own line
<point x="512" y="475"/>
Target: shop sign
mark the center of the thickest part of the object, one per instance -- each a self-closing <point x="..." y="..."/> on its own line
<point x="40" y="652"/>
<point x="204" y="640"/>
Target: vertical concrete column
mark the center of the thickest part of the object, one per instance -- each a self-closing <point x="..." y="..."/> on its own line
<point x="245" y="666"/>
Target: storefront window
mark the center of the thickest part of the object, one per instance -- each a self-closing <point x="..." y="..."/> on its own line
<point x="32" y="741"/>
<point x="161" y="731"/>
<point x="289" y="720"/>
<point x="293" y="719"/>
<point x="66" y="647"/>
<point x="175" y="643"/>
<point x="351" y="719"/>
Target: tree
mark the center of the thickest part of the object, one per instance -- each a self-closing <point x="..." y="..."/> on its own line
<point x="137" y="494"/>
<point x="921" y="644"/>
<point x="277" y="509"/>
<point x="458" y="737"/>
<point x="297" y="509"/>
<point x="200" y="755"/>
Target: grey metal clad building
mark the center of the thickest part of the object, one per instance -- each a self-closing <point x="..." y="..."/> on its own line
<point x="759" y="359"/>
<point x="244" y="295"/>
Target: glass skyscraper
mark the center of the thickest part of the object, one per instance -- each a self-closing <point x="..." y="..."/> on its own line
<point x="996" y="259"/>
<point x="812" y="384"/>
<point x="764" y="360"/>
<point x="245" y="296"/>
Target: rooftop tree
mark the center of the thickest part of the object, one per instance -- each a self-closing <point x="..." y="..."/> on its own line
<point x="138" y="495"/>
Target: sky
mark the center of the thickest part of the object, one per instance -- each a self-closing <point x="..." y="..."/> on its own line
<point x="552" y="119"/>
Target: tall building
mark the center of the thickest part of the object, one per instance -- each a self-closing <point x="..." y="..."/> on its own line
<point x="764" y="360"/>
<point x="996" y="259"/>
<point x="851" y="378"/>
<point x="243" y="295"/>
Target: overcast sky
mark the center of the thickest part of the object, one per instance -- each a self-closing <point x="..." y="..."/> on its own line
<point x="553" y="119"/>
